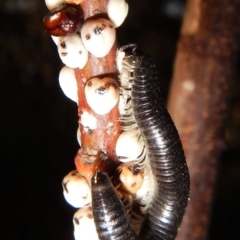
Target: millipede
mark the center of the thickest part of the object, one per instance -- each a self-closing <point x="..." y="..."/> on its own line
<point x="131" y="179"/>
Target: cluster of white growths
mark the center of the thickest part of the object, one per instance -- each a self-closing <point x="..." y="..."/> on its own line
<point x="97" y="37"/>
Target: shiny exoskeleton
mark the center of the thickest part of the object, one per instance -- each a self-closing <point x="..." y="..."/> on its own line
<point x="108" y="211"/>
<point x="164" y="150"/>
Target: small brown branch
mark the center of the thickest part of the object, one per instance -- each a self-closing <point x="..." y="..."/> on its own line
<point x="204" y="68"/>
<point x="103" y="139"/>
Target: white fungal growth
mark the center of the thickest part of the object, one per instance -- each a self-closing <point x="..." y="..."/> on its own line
<point x="79" y="136"/>
<point x="55" y="39"/>
<point x="130" y="146"/>
<point x="76" y="2"/>
<point x="68" y="83"/>
<point x="98" y="36"/>
<point x="72" y="52"/>
<point x="117" y="11"/>
<point x="131" y="177"/>
<point x="84" y="226"/>
<point x="88" y="121"/>
<point x="76" y="190"/>
<point x="102" y="94"/>
<point x="53" y="3"/>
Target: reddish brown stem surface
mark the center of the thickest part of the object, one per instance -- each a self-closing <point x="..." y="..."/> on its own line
<point x="98" y="146"/>
<point x="204" y="67"/>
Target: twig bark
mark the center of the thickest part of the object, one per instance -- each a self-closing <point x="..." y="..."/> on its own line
<point x="103" y="139"/>
<point x="204" y="68"/>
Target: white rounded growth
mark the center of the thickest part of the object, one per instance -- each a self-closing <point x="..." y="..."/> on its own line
<point x="76" y="2"/>
<point x="55" y="39"/>
<point x="68" y="83"/>
<point x="98" y="36"/>
<point x="76" y="190"/>
<point x="102" y="94"/>
<point x="129" y="146"/>
<point x="131" y="177"/>
<point x="84" y="226"/>
<point x="79" y="136"/>
<point x="53" y="3"/>
<point x="72" y="52"/>
<point x="117" y="11"/>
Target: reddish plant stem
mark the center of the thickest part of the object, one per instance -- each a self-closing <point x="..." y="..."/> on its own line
<point x="103" y="139"/>
<point x="203" y="71"/>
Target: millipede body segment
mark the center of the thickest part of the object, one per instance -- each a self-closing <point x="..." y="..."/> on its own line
<point x="109" y="214"/>
<point x="164" y="150"/>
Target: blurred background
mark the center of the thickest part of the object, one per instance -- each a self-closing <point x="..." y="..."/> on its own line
<point x="38" y="123"/>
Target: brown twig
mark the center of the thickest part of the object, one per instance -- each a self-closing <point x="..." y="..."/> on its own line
<point x="103" y="139"/>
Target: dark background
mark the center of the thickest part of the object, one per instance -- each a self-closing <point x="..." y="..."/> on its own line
<point x="38" y="123"/>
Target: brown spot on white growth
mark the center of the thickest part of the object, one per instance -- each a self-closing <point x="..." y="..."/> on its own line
<point x="63" y="45"/>
<point x="102" y="94"/>
<point x="75" y="172"/>
<point x="99" y="36"/>
<point x="76" y="221"/>
<point x="87" y="229"/>
<point x="72" y="45"/>
<point x="101" y="90"/>
<point x="76" y="190"/>
<point x="65" y="186"/>
<point x="133" y="185"/>
<point x="64" y="54"/>
<point x="130" y="177"/>
<point x="90" y="216"/>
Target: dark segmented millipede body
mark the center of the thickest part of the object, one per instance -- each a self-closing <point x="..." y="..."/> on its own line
<point x="166" y="158"/>
<point x="109" y="215"/>
<point x="164" y="150"/>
